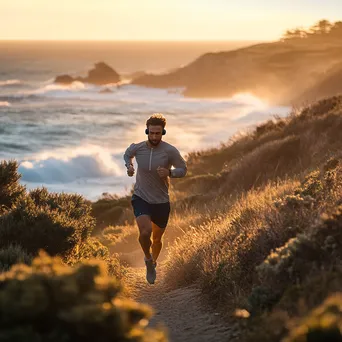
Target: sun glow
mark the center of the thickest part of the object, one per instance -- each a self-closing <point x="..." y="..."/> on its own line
<point x="157" y="20"/>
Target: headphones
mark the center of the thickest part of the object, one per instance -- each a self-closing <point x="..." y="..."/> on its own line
<point x="163" y="132"/>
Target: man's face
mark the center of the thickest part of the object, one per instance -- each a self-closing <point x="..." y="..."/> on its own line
<point x="155" y="134"/>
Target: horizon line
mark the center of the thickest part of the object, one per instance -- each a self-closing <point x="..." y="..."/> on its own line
<point x="132" y="40"/>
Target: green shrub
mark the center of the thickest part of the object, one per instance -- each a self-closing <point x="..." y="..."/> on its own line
<point x="10" y="189"/>
<point x="261" y="298"/>
<point x="317" y="243"/>
<point x="329" y="233"/>
<point x="297" y="302"/>
<point x="73" y="205"/>
<point x="92" y="248"/>
<point x="322" y="324"/>
<point x="56" y="227"/>
<point x="292" y="263"/>
<point x="284" y="267"/>
<point x="297" y="201"/>
<point x="13" y="254"/>
<point x="312" y="185"/>
<point x="52" y="302"/>
<point x="286" y="264"/>
<point x="110" y="235"/>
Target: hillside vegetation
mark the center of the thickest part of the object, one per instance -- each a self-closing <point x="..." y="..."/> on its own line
<point x="57" y="281"/>
<point x="272" y="243"/>
<point x="257" y="225"/>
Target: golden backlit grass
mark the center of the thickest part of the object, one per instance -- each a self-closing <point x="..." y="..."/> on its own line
<point x="214" y="253"/>
<point x="244" y="216"/>
<point x="258" y="173"/>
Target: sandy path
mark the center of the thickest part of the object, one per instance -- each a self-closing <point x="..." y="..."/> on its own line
<point x="180" y="310"/>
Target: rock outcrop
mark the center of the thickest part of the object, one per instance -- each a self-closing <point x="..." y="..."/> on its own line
<point x="64" y="79"/>
<point x="101" y="74"/>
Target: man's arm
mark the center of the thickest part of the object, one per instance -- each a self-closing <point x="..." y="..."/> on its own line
<point x="129" y="155"/>
<point x="178" y="163"/>
<point x="128" y="158"/>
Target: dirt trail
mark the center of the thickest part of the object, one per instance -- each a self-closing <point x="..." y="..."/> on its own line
<point x="180" y="310"/>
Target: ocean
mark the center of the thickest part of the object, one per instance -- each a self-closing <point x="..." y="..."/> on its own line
<point x="72" y="138"/>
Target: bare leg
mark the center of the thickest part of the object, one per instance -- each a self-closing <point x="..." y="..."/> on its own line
<point x="157" y="244"/>
<point x="145" y="230"/>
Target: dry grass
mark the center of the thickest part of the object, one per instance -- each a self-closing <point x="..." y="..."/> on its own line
<point x="231" y="257"/>
<point x="241" y="204"/>
<point x="211" y="252"/>
<point x="287" y="148"/>
<point x="273" y="196"/>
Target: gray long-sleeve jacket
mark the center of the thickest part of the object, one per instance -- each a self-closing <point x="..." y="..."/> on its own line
<point x="149" y="186"/>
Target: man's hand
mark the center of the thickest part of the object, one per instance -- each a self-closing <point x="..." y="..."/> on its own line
<point x="130" y="171"/>
<point x="162" y="172"/>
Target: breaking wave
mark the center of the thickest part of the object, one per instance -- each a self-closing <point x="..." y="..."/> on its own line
<point x="9" y="83"/>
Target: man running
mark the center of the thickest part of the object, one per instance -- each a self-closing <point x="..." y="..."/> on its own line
<point x="150" y="199"/>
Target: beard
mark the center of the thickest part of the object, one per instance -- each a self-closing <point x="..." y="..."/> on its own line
<point x="155" y="142"/>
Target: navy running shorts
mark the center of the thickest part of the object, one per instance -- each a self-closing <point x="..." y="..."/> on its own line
<point x="159" y="212"/>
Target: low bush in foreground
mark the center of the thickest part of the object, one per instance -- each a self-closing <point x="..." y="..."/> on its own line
<point x="56" y="223"/>
<point x="323" y="324"/>
<point x="10" y="189"/>
<point x="51" y="302"/>
<point x="13" y="254"/>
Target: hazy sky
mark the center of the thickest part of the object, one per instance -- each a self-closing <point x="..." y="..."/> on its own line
<point x="160" y="19"/>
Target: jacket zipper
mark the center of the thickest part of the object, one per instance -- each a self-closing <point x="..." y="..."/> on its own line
<point x="150" y="159"/>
